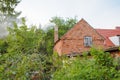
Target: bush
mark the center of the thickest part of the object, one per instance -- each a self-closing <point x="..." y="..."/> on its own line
<point x="99" y="67"/>
<point x="3" y="46"/>
<point x="23" y="66"/>
<point x="22" y="59"/>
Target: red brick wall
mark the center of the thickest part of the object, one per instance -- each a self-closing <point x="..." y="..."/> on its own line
<point x="73" y="40"/>
<point x="70" y="46"/>
<point x="115" y="54"/>
<point x="58" y="47"/>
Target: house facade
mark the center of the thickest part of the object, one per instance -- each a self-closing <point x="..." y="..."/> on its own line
<point x="83" y="36"/>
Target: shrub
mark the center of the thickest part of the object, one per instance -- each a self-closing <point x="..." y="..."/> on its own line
<point x="22" y="59"/>
<point x="99" y="67"/>
<point x="23" y="66"/>
<point x="3" y="46"/>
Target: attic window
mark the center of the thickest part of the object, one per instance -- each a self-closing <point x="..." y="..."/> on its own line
<point x="119" y="39"/>
<point x="87" y="41"/>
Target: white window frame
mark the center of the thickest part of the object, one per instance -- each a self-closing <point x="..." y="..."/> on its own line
<point x="87" y="41"/>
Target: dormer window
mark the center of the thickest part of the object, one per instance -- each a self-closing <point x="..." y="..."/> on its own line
<point x="115" y="40"/>
<point x="118" y="39"/>
<point x="87" y="41"/>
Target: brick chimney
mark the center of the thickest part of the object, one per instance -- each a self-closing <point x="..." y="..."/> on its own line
<point x="118" y="27"/>
<point x="55" y="33"/>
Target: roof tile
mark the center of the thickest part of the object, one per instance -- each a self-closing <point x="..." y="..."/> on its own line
<point x="106" y="33"/>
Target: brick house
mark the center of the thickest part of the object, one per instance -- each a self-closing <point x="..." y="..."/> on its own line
<point x="83" y="36"/>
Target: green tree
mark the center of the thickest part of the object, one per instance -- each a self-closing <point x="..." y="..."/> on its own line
<point x="22" y="59"/>
<point x="7" y="21"/>
<point x="8" y="15"/>
<point x="3" y="46"/>
<point x="22" y="39"/>
<point x="63" y="24"/>
<point x="8" y="6"/>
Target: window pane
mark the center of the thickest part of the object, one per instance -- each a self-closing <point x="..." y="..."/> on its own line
<point x="87" y="41"/>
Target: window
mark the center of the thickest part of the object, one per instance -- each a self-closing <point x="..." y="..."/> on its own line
<point x="87" y="41"/>
<point x="118" y="39"/>
<point x="115" y="40"/>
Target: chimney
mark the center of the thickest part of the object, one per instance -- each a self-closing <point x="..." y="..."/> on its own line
<point x="118" y="27"/>
<point x="55" y="33"/>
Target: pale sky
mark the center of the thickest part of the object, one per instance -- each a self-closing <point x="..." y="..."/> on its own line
<point x="98" y="13"/>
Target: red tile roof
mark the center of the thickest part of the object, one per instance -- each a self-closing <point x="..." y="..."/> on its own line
<point x="106" y="33"/>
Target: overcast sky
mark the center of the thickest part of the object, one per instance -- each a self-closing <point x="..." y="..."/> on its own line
<point x="98" y="13"/>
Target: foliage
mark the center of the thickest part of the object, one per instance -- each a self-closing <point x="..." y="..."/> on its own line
<point x="8" y="15"/>
<point x="21" y="66"/>
<point x="49" y="41"/>
<point x="3" y="46"/>
<point x="24" y="40"/>
<point x="102" y="58"/>
<point x="8" y="6"/>
<point x="7" y="21"/>
<point x="21" y="58"/>
<point x="63" y="24"/>
<point x="24" y="55"/>
<point x="99" y="67"/>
